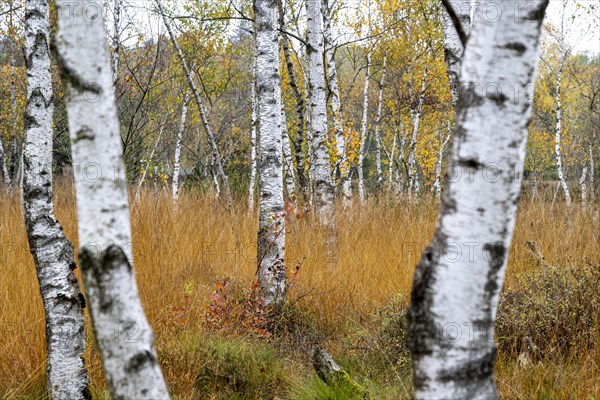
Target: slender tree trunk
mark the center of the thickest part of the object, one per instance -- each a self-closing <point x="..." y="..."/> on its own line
<point x="363" y="132"/>
<point x="459" y="293"/>
<point x="300" y="105"/>
<point x="584" y="188"/>
<point x="271" y="233"/>
<point x="218" y="162"/>
<point x="138" y="190"/>
<point x="391" y="166"/>
<point x="453" y="47"/>
<point x="53" y="255"/>
<point x="592" y="170"/>
<point x="130" y="363"/>
<point x="288" y="163"/>
<point x="444" y="139"/>
<point x="413" y="178"/>
<point x="341" y="171"/>
<point x="320" y="165"/>
<point x="116" y="42"/>
<point x="3" y="171"/>
<point x="378" y="128"/>
<point x="558" y="135"/>
<point x="177" y="162"/>
<point x="253" y="142"/>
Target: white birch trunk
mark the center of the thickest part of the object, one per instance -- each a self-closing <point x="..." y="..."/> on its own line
<point x="288" y="163"/>
<point x="218" y="162"/>
<point x="413" y="178"/>
<point x="458" y="280"/>
<point x="437" y="184"/>
<point x="53" y="255"/>
<point x="584" y="188"/>
<point x="341" y="167"/>
<point x="391" y="166"/>
<point x="253" y="142"/>
<point x="300" y="106"/>
<point x="5" y="178"/>
<point x="363" y="132"/>
<point x="320" y="165"/>
<point x="453" y="47"/>
<point x="271" y="234"/>
<point x="558" y="135"/>
<point x="177" y="161"/>
<point x="592" y="166"/>
<point x="130" y="363"/>
<point x="116" y="42"/>
<point x="377" y="126"/>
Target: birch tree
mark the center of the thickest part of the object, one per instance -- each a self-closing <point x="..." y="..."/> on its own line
<point x="177" y="158"/>
<point x="454" y="286"/>
<point x="564" y="51"/>
<point x="271" y="233"/>
<point x="321" y="177"/>
<point x="363" y="131"/>
<point x="217" y="160"/>
<point x="253" y="141"/>
<point x="453" y="43"/>
<point x="377" y="126"/>
<point x="53" y="255"/>
<point x="413" y="177"/>
<point x="5" y="178"/>
<point x="130" y="363"/>
<point x="341" y="167"/>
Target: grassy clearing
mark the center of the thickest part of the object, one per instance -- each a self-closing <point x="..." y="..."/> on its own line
<point x="353" y="306"/>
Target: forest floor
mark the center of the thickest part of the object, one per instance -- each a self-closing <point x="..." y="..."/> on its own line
<point x="195" y="267"/>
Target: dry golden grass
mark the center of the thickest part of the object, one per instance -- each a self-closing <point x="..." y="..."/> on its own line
<point x="200" y="242"/>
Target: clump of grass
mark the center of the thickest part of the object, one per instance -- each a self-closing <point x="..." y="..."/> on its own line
<point x="238" y="369"/>
<point x="551" y="311"/>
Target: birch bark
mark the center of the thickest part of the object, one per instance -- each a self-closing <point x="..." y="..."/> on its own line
<point x="271" y="234"/>
<point x="320" y="165"/>
<point x="453" y="47"/>
<point x="341" y="168"/>
<point x="177" y="161"/>
<point x="5" y="178"/>
<point x="363" y="132"/>
<point x="378" y="128"/>
<point x="130" y="363"/>
<point x="459" y="277"/>
<point x="53" y="254"/>
<point x="300" y="105"/>
<point x="253" y="141"/>
<point x="413" y="178"/>
<point x="217" y="160"/>
<point x="437" y="184"/>
<point x="558" y="134"/>
<point x="116" y="42"/>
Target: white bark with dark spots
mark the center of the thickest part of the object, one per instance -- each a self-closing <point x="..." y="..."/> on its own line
<point x="364" y="131"/>
<point x="320" y="166"/>
<point x="177" y="160"/>
<point x="125" y="339"/>
<point x="271" y="233"/>
<point x="53" y="255"/>
<point x="458" y="280"/>
<point x="378" y="126"/>
<point x="453" y="47"/>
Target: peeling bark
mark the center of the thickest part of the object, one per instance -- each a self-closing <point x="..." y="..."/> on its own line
<point x="458" y="279"/>
<point x="271" y="233"/>
<point x="53" y="254"/>
<point x="125" y="339"/>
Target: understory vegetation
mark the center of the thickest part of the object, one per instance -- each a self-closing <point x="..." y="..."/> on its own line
<point x="196" y="271"/>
